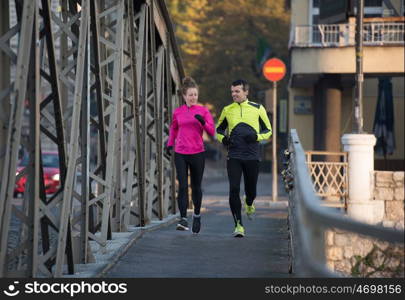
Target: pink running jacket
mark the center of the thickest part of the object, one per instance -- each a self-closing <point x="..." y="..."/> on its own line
<point x="186" y="131"/>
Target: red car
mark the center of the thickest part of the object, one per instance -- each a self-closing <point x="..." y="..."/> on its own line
<point x="50" y="162"/>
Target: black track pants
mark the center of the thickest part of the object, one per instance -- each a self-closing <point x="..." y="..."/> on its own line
<point x="250" y="170"/>
<point x="195" y="163"/>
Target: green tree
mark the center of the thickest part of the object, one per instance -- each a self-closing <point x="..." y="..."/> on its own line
<point x="219" y="41"/>
<point x="187" y="17"/>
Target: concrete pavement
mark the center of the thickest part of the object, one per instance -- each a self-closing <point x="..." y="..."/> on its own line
<point x="159" y="251"/>
<point x="214" y="252"/>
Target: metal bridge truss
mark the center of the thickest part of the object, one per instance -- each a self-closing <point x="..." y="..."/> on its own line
<point x="97" y="81"/>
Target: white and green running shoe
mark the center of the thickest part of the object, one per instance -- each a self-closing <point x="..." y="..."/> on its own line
<point x="239" y="230"/>
<point x="250" y="210"/>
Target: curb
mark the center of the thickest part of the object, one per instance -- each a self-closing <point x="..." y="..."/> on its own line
<point x="119" y="245"/>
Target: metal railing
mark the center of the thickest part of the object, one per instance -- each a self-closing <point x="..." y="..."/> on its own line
<point x="308" y="219"/>
<point x="341" y="35"/>
<point x="329" y="177"/>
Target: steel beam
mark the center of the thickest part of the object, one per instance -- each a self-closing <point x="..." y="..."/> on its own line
<point x="95" y="81"/>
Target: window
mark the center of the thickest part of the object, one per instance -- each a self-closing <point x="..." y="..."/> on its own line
<point x="373" y="8"/>
<point x="313" y="12"/>
<point x="373" y="3"/>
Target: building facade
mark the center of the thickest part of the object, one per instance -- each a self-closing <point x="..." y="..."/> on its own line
<point x="323" y="69"/>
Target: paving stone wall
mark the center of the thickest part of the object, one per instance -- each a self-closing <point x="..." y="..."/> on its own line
<point x="354" y="255"/>
<point x="389" y="187"/>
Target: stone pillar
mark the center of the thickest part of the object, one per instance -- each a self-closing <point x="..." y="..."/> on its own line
<point x="361" y="206"/>
<point x="319" y="117"/>
<point x="351" y="34"/>
<point x="333" y="102"/>
<point x="327" y="114"/>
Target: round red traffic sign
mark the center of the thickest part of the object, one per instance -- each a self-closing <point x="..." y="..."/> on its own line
<point x="274" y="69"/>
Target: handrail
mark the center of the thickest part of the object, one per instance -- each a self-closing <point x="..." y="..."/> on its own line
<point x="314" y="218"/>
<point x="329" y="176"/>
<point x="343" y="35"/>
<point x="326" y="153"/>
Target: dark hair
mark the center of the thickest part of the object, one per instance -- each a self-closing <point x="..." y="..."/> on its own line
<point x="241" y="82"/>
<point x="187" y="83"/>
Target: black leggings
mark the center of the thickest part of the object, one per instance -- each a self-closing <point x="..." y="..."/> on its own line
<point x="194" y="162"/>
<point x="250" y="170"/>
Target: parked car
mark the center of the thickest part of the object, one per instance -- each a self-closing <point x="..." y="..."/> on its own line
<point x="50" y="163"/>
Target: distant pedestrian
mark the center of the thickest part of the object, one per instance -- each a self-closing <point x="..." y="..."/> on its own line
<point x="241" y="126"/>
<point x="186" y="136"/>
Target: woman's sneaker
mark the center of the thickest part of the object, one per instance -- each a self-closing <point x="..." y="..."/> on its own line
<point x="196" y="224"/>
<point x="183" y="224"/>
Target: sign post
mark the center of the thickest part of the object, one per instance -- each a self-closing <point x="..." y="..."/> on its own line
<point x="274" y="70"/>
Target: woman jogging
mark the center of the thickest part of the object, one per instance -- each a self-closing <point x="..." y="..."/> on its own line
<point x="186" y="131"/>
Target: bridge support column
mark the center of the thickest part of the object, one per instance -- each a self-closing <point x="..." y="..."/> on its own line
<point x="361" y="206"/>
<point x="4" y="83"/>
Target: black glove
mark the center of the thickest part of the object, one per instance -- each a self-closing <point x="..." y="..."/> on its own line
<point x="200" y="119"/>
<point x="226" y="141"/>
<point x="169" y="150"/>
<point x="251" y="138"/>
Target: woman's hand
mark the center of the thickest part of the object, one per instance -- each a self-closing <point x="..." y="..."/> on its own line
<point x="200" y="119"/>
<point x="169" y="150"/>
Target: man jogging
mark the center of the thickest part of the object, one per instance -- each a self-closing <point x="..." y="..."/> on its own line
<point x="241" y="126"/>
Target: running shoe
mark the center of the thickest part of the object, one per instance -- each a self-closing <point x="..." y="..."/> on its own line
<point x="196" y="224"/>
<point x="183" y="224"/>
<point x="250" y="210"/>
<point x="239" y="230"/>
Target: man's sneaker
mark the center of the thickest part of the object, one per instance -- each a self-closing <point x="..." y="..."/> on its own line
<point x="196" y="224"/>
<point x="183" y="224"/>
<point x="239" y="230"/>
<point x="250" y="210"/>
